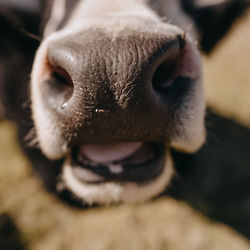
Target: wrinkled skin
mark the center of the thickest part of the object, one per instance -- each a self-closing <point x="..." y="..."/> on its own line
<point x="114" y="87"/>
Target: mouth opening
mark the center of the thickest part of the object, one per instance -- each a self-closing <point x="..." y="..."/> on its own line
<point x="133" y="162"/>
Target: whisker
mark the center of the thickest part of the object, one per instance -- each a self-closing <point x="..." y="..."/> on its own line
<point x="31" y="139"/>
<point x="30" y="35"/>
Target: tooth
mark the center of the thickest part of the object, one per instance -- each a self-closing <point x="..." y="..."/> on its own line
<point x="115" y="169"/>
<point x="106" y="153"/>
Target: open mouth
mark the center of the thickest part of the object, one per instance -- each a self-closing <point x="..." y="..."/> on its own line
<point x="132" y="162"/>
<point x="119" y="172"/>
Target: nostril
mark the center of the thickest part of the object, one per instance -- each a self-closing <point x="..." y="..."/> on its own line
<point x="169" y="68"/>
<point x="173" y="78"/>
<point x="57" y="88"/>
<point x="164" y="76"/>
<point x="62" y="76"/>
<point x="170" y="84"/>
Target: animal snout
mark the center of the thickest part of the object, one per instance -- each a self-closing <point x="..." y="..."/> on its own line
<point x="112" y="95"/>
<point x="95" y="79"/>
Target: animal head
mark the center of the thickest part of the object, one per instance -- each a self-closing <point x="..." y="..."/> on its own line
<point x="115" y="85"/>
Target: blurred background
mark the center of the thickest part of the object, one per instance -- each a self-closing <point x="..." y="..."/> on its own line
<point x="206" y="207"/>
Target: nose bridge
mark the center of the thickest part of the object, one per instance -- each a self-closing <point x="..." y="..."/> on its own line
<point x="111" y="70"/>
<point x="89" y="9"/>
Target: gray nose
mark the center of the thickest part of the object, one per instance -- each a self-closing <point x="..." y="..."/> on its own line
<point x="100" y="83"/>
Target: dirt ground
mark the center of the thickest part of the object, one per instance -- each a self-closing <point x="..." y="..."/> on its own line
<point x="227" y="74"/>
<point x="206" y="207"/>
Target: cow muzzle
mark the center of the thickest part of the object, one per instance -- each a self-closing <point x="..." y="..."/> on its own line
<point x="113" y="103"/>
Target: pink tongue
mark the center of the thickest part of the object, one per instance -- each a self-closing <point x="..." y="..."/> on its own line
<point x="107" y="153"/>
